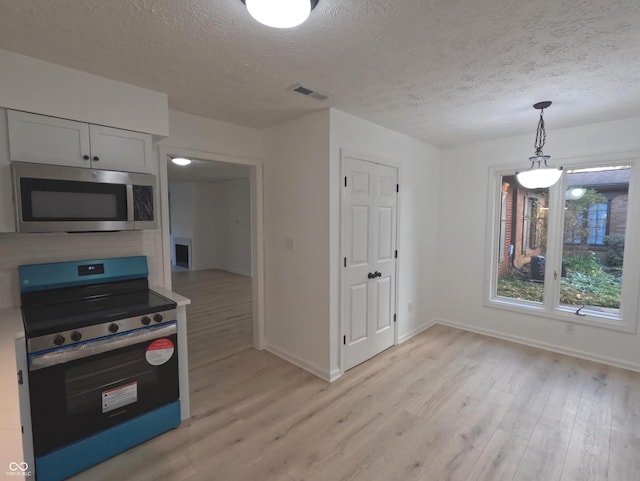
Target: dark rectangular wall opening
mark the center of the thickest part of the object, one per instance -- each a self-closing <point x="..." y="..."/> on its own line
<point x="182" y="255"/>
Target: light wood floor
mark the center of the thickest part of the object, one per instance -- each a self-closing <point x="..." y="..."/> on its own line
<point x="219" y="318"/>
<point x="446" y="405"/>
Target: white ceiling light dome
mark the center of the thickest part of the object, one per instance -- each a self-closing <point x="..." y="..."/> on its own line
<point x="181" y="161"/>
<point x="280" y="13"/>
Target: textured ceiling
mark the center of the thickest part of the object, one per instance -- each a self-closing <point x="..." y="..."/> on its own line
<point x="446" y="71"/>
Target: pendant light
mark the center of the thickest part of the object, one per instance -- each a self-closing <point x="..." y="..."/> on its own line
<point x="539" y="176"/>
<point x="280" y="13"/>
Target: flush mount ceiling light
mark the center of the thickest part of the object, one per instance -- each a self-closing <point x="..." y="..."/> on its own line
<point x="539" y="176"/>
<point x="181" y="161"/>
<point x="575" y="193"/>
<point x="280" y="13"/>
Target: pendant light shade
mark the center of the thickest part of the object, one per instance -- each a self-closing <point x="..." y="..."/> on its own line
<point x="280" y="13"/>
<point x="539" y="175"/>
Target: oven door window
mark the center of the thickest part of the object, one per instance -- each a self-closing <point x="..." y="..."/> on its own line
<point x="65" y="200"/>
<point x="73" y="400"/>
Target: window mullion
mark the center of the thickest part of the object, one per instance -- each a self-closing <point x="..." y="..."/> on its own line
<point x="553" y="257"/>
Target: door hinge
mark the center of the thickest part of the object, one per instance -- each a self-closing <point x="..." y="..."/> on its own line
<point x="345" y="262"/>
<point x="20" y="380"/>
<point x="344" y="340"/>
<point x="395" y="318"/>
<point x="345" y="181"/>
<point x="396" y="254"/>
<point x="397" y="187"/>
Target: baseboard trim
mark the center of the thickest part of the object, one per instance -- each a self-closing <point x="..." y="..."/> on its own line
<point x="296" y="361"/>
<point x="415" y="332"/>
<point x="335" y="374"/>
<point x="543" y="345"/>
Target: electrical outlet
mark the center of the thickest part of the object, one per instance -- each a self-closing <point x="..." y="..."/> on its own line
<point x="570" y="328"/>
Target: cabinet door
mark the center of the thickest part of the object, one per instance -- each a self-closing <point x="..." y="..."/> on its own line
<point x="116" y="149"/>
<point x="48" y="140"/>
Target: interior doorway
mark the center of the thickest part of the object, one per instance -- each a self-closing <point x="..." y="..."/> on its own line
<point x="212" y="244"/>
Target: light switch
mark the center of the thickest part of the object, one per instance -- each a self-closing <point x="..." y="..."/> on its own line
<point x="290" y="244"/>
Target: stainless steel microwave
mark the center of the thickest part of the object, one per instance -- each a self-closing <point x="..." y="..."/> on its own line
<point x="54" y="198"/>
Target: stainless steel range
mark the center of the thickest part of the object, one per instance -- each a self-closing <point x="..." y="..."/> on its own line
<point x="103" y="361"/>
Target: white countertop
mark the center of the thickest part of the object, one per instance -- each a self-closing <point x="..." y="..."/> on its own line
<point x="174" y="296"/>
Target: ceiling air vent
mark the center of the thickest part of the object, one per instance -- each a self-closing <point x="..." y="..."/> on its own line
<point x="308" y="92"/>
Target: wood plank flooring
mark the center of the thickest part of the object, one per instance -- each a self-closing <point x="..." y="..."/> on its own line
<point x="447" y="405"/>
<point x="219" y="318"/>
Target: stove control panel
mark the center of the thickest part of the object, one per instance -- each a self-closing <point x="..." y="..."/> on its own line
<point x="88" y="333"/>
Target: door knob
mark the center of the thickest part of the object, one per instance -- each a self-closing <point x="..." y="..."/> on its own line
<point x="378" y="274"/>
<point x="371" y="275"/>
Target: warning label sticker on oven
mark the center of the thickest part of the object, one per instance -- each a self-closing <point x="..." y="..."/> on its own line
<point x="159" y="351"/>
<point x="119" y="396"/>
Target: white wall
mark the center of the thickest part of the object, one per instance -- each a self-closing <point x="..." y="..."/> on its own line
<point x="234" y="223"/>
<point x="206" y="234"/>
<point x="36" y="86"/>
<point x="296" y="204"/>
<point x="200" y="133"/>
<point x="216" y="217"/>
<point x="462" y="228"/>
<point x="419" y="179"/>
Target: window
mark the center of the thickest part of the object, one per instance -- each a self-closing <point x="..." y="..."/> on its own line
<point x="596" y="224"/>
<point x="562" y="250"/>
<point x="531" y="223"/>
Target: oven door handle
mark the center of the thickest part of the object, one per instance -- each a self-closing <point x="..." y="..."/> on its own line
<point x="92" y="348"/>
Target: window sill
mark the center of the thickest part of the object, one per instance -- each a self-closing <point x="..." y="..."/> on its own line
<point x="563" y="314"/>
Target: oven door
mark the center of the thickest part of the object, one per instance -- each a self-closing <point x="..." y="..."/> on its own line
<point x="83" y="389"/>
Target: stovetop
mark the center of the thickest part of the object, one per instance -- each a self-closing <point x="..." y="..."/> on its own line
<point x="40" y="320"/>
<point x="77" y="301"/>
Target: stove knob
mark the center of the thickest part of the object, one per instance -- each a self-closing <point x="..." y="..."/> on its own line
<point x="76" y="336"/>
<point x="58" y="340"/>
<point x="157" y="317"/>
<point x="145" y="320"/>
<point x="113" y="327"/>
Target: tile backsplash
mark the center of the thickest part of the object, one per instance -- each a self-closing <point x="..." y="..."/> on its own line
<point x="19" y="249"/>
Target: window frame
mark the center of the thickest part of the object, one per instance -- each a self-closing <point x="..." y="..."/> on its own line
<point x="550" y="308"/>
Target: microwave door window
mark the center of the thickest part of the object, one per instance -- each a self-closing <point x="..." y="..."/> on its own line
<point x="62" y="200"/>
<point x="75" y="205"/>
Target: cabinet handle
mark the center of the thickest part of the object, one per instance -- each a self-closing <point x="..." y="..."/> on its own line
<point x="96" y="158"/>
<point x="85" y="157"/>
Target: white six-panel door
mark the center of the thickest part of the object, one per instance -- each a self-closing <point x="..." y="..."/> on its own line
<point x="369" y="222"/>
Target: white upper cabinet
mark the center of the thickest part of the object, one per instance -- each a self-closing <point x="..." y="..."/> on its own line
<point x="50" y="140"/>
<point x="116" y="149"/>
